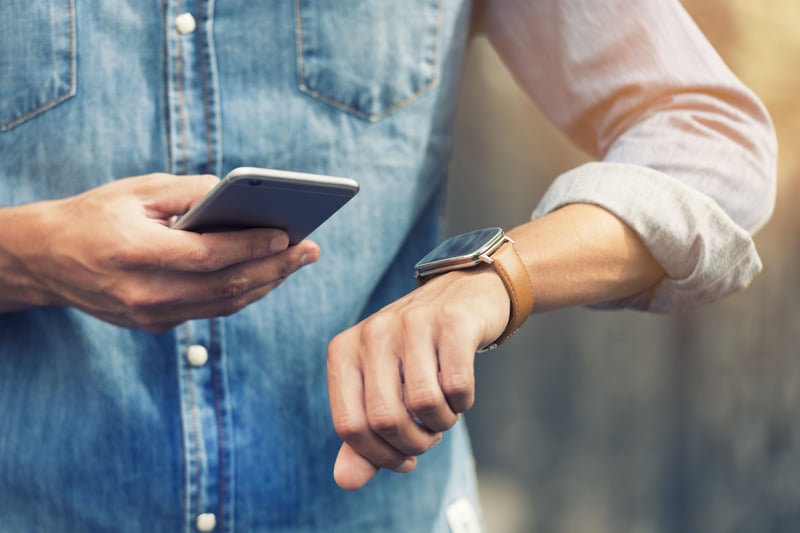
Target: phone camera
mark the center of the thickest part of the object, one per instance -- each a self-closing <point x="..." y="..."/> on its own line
<point x="254" y="182"/>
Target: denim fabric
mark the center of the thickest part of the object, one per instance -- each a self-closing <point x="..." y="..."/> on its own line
<point x="108" y="429"/>
<point x="37" y="58"/>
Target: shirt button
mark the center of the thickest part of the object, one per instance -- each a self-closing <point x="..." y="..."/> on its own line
<point x="197" y="355"/>
<point x="185" y="23"/>
<point x="206" y="522"/>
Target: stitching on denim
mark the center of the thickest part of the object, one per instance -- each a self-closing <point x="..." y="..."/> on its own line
<point x="165" y="80"/>
<point x="371" y="117"/>
<point x="196" y="430"/>
<point x="184" y="466"/>
<point x="195" y="422"/>
<point x="72" y="77"/>
<point x="206" y="92"/>
<point x="181" y="104"/>
<point x="216" y="362"/>
<point x="298" y="37"/>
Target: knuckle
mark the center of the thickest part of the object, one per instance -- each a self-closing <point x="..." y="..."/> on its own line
<point x="458" y="387"/>
<point x="458" y="384"/>
<point x="381" y="321"/>
<point x="203" y="259"/>
<point x="383" y="422"/>
<point x="375" y="327"/>
<point x="348" y="428"/>
<point x="233" y="288"/>
<point x="460" y="394"/>
<point x="413" y="320"/>
<point x="138" y="298"/>
<point x="464" y="404"/>
<point x="424" y="400"/>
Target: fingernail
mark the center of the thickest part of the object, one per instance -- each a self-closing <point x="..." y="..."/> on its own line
<point x="308" y="258"/>
<point x="279" y="244"/>
<point x="406" y="467"/>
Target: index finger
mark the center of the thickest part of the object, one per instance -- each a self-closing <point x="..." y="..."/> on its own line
<point x="188" y="251"/>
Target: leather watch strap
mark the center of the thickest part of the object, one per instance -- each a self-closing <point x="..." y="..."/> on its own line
<point x="509" y="266"/>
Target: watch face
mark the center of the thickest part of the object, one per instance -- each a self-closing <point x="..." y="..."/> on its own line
<point x="461" y="251"/>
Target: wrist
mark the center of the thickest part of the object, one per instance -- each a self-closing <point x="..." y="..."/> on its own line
<point x="481" y="251"/>
<point x="495" y="299"/>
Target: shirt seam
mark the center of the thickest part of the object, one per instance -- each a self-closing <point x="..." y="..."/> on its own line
<point x="184" y="163"/>
<point x="206" y="92"/>
<point x="215" y="362"/>
<point x="195" y="430"/>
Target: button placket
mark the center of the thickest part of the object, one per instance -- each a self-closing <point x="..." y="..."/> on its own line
<point x="204" y="471"/>
<point x="194" y="144"/>
<point x="192" y="86"/>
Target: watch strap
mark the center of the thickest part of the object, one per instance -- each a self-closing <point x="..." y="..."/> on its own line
<point x="509" y="266"/>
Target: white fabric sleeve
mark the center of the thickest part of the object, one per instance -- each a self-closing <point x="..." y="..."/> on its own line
<point x="686" y="153"/>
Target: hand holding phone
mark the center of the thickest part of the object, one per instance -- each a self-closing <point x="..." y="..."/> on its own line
<point x="136" y="272"/>
<point x="250" y="197"/>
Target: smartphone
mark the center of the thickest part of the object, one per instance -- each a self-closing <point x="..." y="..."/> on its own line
<point x="250" y="197"/>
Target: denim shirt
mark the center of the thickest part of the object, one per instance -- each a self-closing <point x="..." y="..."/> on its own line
<point x="225" y="422"/>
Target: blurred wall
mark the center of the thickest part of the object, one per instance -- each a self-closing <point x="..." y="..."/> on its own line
<point x="598" y="422"/>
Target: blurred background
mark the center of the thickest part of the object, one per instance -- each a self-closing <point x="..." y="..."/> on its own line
<point x="590" y="421"/>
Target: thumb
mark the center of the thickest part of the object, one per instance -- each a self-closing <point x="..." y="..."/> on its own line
<point x="351" y="471"/>
<point x="168" y="195"/>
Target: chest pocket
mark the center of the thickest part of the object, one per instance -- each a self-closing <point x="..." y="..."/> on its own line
<point x="367" y="57"/>
<point x="37" y="57"/>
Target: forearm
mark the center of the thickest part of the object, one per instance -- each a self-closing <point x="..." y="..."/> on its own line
<point x="20" y="241"/>
<point x="578" y="254"/>
<point x="687" y="153"/>
<point x="582" y="254"/>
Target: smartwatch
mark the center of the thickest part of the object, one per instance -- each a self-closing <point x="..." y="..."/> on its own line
<point x="484" y="246"/>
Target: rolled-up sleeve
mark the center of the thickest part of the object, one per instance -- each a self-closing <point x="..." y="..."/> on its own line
<point x="686" y="153"/>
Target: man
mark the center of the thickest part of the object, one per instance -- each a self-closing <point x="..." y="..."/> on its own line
<point x="130" y="404"/>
